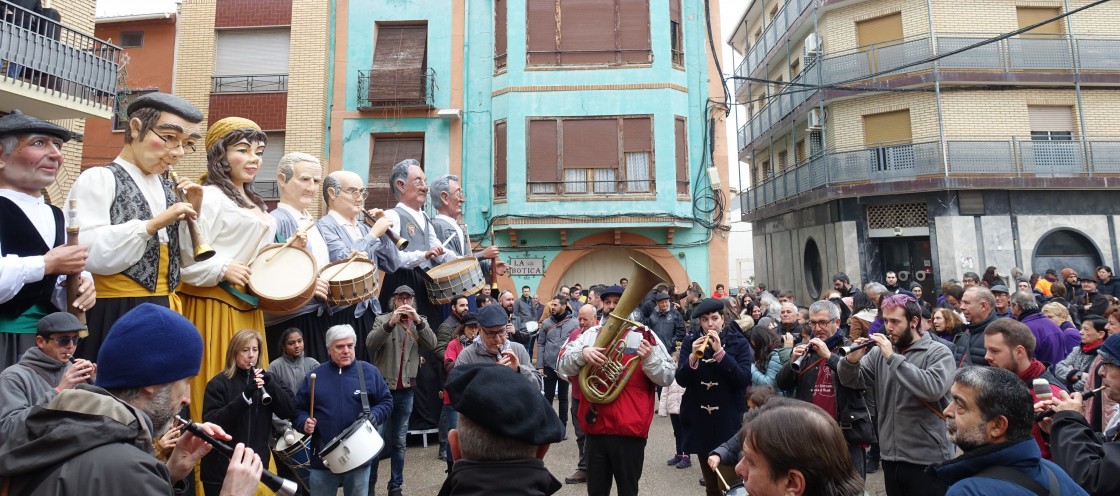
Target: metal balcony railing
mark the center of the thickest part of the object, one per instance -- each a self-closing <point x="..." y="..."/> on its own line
<point x="43" y="52"/>
<point x="878" y="62"/>
<point x="388" y="88"/>
<point x="963" y="157"/>
<point x="250" y="83"/>
<point x="770" y="37"/>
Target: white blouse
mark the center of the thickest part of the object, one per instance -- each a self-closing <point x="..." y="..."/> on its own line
<point x="235" y="233"/>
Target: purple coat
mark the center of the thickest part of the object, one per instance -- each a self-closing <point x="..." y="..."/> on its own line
<point x="1071" y="337"/>
<point x="1049" y="345"/>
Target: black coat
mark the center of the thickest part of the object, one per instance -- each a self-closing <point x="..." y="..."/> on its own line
<point x="1091" y="463"/>
<point x="526" y="477"/>
<point x="721" y="387"/>
<point x="850" y="403"/>
<point x="248" y="423"/>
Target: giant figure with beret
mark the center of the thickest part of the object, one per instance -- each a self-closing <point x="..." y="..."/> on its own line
<point x="237" y="224"/>
<point x="129" y="214"/>
<point x="32" y="233"/>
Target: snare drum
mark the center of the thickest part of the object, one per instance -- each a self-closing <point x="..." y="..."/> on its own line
<point x="460" y="276"/>
<point x="350" y="282"/>
<point x="297" y="456"/>
<point x="736" y="490"/>
<point x="283" y="278"/>
<point x="352" y="448"/>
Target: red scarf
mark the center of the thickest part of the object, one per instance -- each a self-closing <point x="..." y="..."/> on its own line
<point x="1035" y="369"/>
<point x="1086" y="348"/>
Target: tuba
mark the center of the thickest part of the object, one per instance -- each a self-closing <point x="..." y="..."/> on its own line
<point x="602" y="385"/>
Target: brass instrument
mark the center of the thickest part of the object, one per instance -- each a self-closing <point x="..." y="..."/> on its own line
<point x="202" y="249"/>
<point x="703" y="347"/>
<point x="602" y="385"/>
<point x="74" y="281"/>
<point x="398" y="241"/>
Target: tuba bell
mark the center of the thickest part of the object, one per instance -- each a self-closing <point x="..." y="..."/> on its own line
<point x="602" y="384"/>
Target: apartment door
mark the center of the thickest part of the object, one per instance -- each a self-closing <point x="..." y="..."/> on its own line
<point x="911" y="259"/>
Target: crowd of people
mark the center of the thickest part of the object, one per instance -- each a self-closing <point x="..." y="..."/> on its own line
<point x="125" y="351"/>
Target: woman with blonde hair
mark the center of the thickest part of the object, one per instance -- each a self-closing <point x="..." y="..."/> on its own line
<point x="242" y="399"/>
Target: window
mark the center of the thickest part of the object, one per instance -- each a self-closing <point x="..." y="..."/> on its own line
<point x="265" y="183"/>
<point x="794" y="68"/>
<point x="602" y="155"/>
<point x="123" y="99"/>
<point x="773" y="12"/>
<point x="387" y="151"/>
<point x="876" y="33"/>
<point x="799" y="151"/>
<point x="676" y="36"/>
<point x="500" y="159"/>
<point x="782" y="165"/>
<point x="680" y="132"/>
<point x="132" y="39"/>
<point x="1051" y="123"/>
<point x="1028" y="16"/>
<point x="499" y="34"/>
<point x="251" y="60"/>
<point x="588" y="32"/>
<point x="399" y="75"/>
<point x="888" y="135"/>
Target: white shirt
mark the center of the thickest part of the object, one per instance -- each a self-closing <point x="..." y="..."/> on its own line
<point x="458" y="234"/>
<point x="415" y="258"/>
<point x="15" y="271"/>
<point x="235" y="233"/>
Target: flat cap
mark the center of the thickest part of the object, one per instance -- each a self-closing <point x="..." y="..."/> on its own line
<point x="166" y="102"/>
<point x="20" y="123"/>
<point x="999" y="288"/>
<point x="58" y="322"/>
<point x="709" y="305"/>
<point x="612" y="290"/>
<point x="468" y="318"/>
<point x="504" y="403"/>
<point x="404" y="289"/>
<point x="493" y="316"/>
<point x="660" y="296"/>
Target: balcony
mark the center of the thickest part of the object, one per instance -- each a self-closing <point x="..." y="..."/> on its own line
<point x="778" y="26"/>
<point x="387" y="89"/>
<point x="930" y="164"/>
<point x="253" y="83"/>
<point x="1013" y="59"/>
<point x="53" y="72"/>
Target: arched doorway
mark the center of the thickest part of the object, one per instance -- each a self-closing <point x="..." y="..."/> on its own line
<point x="612" y="263"/>
<point x="1062" y="248"/>
<point x="602" y="266"/>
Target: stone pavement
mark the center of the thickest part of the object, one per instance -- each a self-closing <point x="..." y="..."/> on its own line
<point x="424" y="472"/>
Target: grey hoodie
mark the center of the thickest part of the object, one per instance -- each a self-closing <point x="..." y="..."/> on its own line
<point x="21" y="388"/>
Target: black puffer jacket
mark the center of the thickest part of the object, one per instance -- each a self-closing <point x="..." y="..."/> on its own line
<point x="968" y="346"/>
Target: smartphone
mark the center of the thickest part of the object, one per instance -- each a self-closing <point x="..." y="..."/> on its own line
<point x="1042" y="390"/>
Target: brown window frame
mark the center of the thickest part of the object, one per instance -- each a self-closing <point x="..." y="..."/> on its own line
<point x="501" y="40"/>
<point x="680" y="139"/>
<point x="385" y="188"/>
<point x="676" y="35"/>
<point x="501" y="162"/>
<point x="551" y="47"/>
<point x="545" y="181"/>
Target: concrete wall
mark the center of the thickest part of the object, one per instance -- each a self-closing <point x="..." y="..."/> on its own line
<point x="780" y="257"/>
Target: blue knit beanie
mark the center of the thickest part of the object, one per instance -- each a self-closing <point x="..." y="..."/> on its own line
<point x="1109" y="351"/>
<point x="148" y="346"/>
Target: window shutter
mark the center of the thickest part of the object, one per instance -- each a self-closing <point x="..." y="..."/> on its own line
<point x="680" y="131"/>
<point x="590" y="143"/>
<point x="879" y="30"/>
<point x="1033" y="15"/>
<point x="249" y="52"/>
<point x="636" y="134"/>
<point x="887" y="128"/>
<point x="675" y="10"/>
<point x="273" y="151"/>
<point x="399" y="59"/>
<point x="541" y="25"/>
<point x="386" y="153"/>
<point x="499" y="33"/>
<point x="634" y="31"/>
<point x="1051" y="118"/>
<point x="587" y="32"/>
<point x="500" y="160"/>
<point x="543" y="157"/>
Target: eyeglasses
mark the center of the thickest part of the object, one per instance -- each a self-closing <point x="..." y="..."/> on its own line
<point x="67" y="341"/>
<point x="359" y="193"/>
<point x="492" y="334"/>
<point x="820" y="323"/>
<point x="172" y="143"/>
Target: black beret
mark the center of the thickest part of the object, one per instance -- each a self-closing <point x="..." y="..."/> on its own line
<point x="660" y="296"/>
<point x="503" y="402"/>
<point x="709" y="305"/>
<point x="613" y="290"/>
<point x="468" y="318"/>
<point x="19" y="123"/>
<point x="165" y="102"/>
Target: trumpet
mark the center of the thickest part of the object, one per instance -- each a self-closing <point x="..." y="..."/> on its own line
<point x="370" y="218"/>
<point x="202" y="249"/>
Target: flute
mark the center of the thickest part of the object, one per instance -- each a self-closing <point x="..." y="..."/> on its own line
<point x="398" y="241"/>
<point x="844" y="350"/>
<point x="277" y="484"/>
<point x="1049" y="412"/>
<point x="74" y="281"/>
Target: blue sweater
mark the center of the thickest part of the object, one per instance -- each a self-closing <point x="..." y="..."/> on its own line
<point x="1023" y="456"/>
<point x="338" y="404"/>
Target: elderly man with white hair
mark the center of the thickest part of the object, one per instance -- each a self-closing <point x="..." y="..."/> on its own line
<point x="351" y="385"/>
<point x="448" y="198"/>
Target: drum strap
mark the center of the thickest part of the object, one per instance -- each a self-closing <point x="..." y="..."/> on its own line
<point x="362" y="387"/>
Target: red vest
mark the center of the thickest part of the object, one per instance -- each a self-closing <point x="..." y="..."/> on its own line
<point x="629" y="415"/>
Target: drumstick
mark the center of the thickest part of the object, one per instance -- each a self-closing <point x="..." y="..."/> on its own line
<point x="312" y="395"/>
<point x="353" y="257"/>
<point x="721" y="479"/>
<point x="289" y="243"/>
<point x="448" y="240"/>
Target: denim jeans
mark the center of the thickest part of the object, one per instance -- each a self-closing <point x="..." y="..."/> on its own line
<point x="395" y="431"/>
<point x="448" y="419"/>
<point x="354" y="482"/>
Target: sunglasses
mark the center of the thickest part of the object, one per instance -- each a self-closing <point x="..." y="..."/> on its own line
<point x="67" y="341"/>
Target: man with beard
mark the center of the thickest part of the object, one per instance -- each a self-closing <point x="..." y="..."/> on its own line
<point x="98" y="439"/>
<point x="990" y="419"/>
<point x="515" y="327"/>
<point x="843" y="284"/>
<point x="554" y="334"/>
<point x="978" y="305"/>
<point x="813" y="380"/>
<point x="911" y="375"/>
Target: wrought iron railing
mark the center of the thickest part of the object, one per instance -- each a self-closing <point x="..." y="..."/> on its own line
<point x="43" y="52"/>
<point x="953" y="157"/>
<point x="621" y="187"/>
<point x="385" y="88"/>
<point x="249" y="83"/>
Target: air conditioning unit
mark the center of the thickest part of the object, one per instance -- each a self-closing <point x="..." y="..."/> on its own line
<point x="812" y="46"/>
<point x="815" y="119"/>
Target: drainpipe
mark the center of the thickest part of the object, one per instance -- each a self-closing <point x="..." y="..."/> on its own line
<point x="937" y="92"/>
<point x="819" y="61"/>
<point x="1077" y="90"/>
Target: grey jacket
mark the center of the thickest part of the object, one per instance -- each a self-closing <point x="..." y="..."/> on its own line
<point x="1076" y="361"/>
<point x="552" y="337"/>
<point x="21" y="388"/>
<point x="477" y="353"/>
<point x="380" y="250"/>
<point x="908" y="387"/>
<point x="385" y="345"/>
